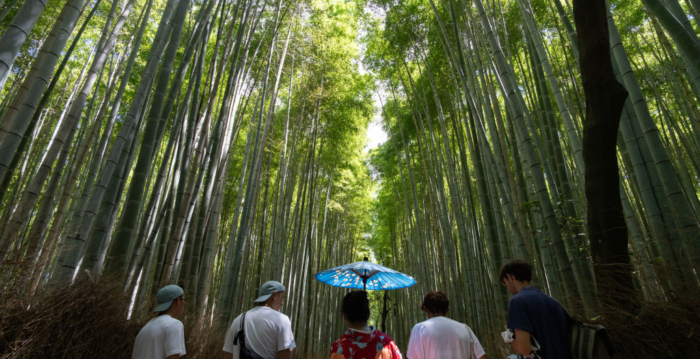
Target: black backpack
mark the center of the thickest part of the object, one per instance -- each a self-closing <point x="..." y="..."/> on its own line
<point x="245" y="353"/>
<point x="586" y="341"/>
<point x="589" y="341"/>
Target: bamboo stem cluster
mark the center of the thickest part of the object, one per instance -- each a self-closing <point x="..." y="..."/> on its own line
<point x="233" y="161"/>
<point x="484" y="108"/>
<point x="218" y="144"/>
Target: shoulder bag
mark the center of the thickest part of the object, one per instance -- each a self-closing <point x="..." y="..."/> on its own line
<point x="245" y="353"/>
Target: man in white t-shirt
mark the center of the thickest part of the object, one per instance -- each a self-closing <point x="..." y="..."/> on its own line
<point x="268" y="332"/>
<point x="440" y="337"/>
<point x="163" y="337"/>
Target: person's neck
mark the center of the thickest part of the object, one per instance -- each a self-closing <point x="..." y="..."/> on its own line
<point x="431" y="315"/>
<point x="520" y="285"/>
<point x="270" y="304"/>
<point x="361" y="327"/>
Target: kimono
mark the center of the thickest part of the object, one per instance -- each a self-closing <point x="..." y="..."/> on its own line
<point x="355" y="344"/>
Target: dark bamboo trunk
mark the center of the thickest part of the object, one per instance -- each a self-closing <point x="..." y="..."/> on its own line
<point x="605" y="99"/>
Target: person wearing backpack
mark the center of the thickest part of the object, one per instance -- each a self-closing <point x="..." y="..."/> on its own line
<point x="262" y="332"/>
<point x="440" y="337"/>
<point x="534" y="315"/>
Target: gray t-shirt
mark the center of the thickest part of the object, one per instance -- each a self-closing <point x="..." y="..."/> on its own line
<point x="443" y="338"/>
<point x="267" y="331"/>
<point x="160" y="338"/>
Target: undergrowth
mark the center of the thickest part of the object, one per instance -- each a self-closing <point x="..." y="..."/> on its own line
<point x="659" y="330"/>
<point x="86" y="320"/>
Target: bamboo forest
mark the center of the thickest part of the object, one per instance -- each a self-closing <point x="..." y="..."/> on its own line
<point x="220" y="144"/>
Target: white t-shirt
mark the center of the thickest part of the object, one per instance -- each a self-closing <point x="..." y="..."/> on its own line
<point x="160" y="338"/>
<point x="267" y="332"/>
<point x="442" y="338"/>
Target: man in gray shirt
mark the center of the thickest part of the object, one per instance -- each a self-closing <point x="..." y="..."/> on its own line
<point x="440" y="337"/>
<point x="163" y="337"/>
<point x="268" y="333"/>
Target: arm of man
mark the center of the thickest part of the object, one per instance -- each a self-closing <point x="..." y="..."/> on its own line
<point x="284" y="354"/>
<point x="519" y="322"/>
<point x="478" y="349"/>
<point x="415" y="347"/>
<point x="228" y="341"/>
<point x="521" y="344"/>
<point x="285" y="339"/>
<point x="174" y="342"/>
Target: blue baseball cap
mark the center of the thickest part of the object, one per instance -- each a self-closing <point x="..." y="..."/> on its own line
<point x="166" y="295"/>
<point x="267" y="289"/>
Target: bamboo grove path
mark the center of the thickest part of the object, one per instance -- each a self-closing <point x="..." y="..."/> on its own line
<point x="218" y="144"/>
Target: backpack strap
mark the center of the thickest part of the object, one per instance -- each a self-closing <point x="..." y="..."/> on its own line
<point x="240" y="334"/>
<point x="569" y="317"/>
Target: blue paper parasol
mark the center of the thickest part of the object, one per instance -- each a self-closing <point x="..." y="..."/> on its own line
<point x="365" y="275"/>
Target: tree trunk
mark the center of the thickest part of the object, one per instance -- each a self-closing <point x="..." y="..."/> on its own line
<point x="16" y="33"/>
<point x="605" y="99"/>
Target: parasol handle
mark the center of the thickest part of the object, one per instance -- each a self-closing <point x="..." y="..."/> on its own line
<point x="364" y="276"/>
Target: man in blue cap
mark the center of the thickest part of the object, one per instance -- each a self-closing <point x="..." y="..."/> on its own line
<point x="163" y="336"/>
<point x="263" y="330"/>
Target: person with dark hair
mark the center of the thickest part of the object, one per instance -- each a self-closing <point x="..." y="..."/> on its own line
<point x="440" y="337"/>
<point x="533" y="314"/>
<point x="518" y="268"/>
<point x="163" y="337"/>
<point x="361" y="341"/>
<point x="262" y="332"/>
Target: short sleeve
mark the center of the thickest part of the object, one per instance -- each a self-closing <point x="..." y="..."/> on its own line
<point x="285" y="339"/>
<point x="336" y="350"/>
<point x="415" y="347"/>
<point x="395" y="352"/>
<point x="517" y="316"/>
<point x="228" y="342"/>
<point x="478" y="349"/>
<point x="174" y="342"/>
